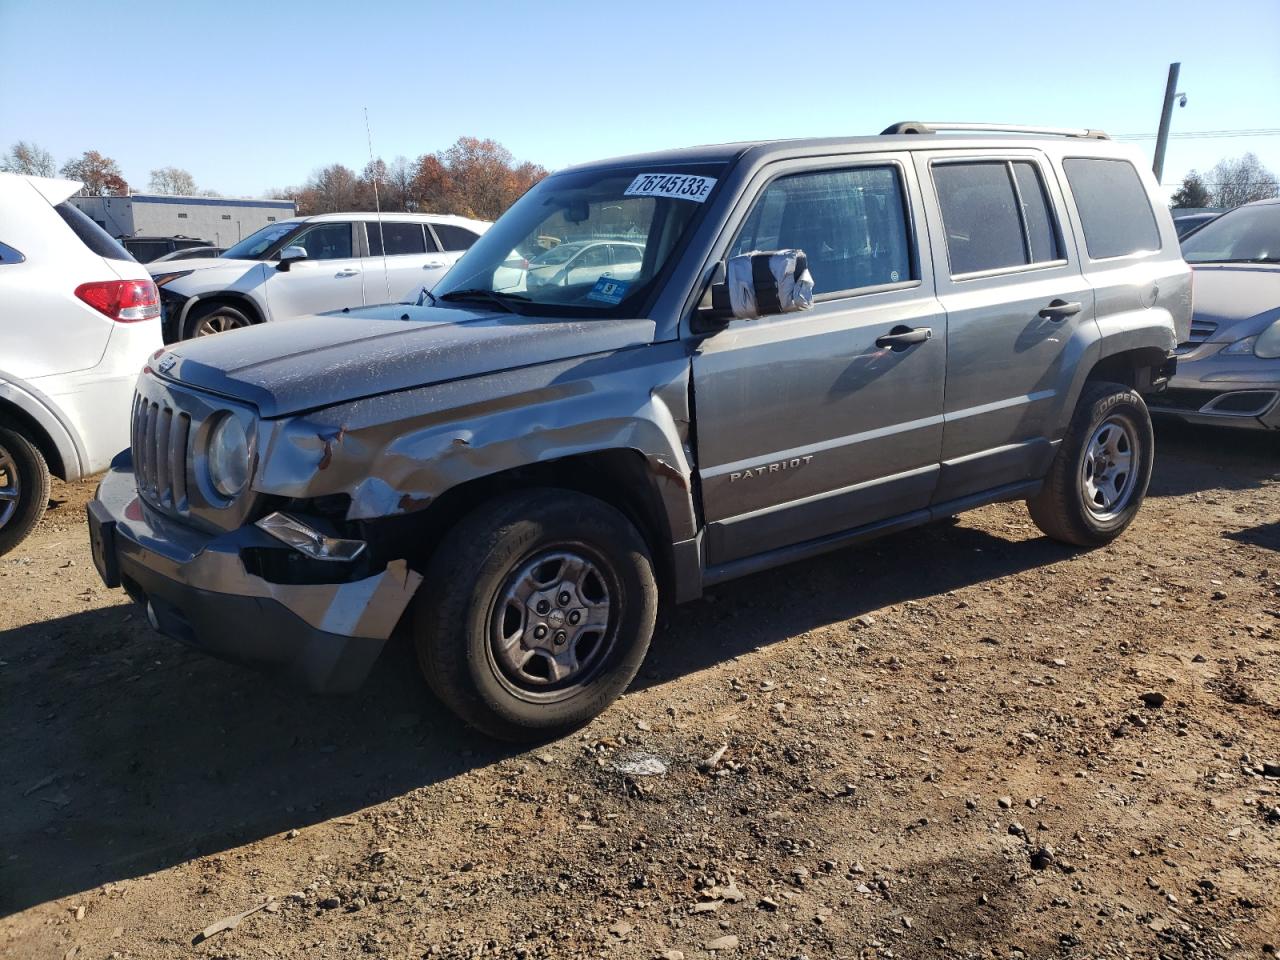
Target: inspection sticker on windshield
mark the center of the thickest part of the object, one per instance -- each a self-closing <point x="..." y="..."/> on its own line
<point x="609" y="290"/>
<point x="682" y="186"/>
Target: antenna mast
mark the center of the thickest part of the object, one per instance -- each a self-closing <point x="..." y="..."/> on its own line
<point x="377" y="206"/>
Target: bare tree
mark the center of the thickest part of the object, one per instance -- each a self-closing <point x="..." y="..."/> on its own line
<point x="173" y="180"/>
<point x="100" y="175"/>
<point x="30" y="159"/>
<point x="398" y="185"/>
<point x="1242" y="180"/>
<point x="331" y="189"/>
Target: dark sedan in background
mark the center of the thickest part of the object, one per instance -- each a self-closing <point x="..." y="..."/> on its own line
<point x="1229" y="370"/>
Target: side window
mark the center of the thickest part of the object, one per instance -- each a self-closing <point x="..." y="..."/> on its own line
<point x="851" y="224"/>
<point x="996" y="214"/>
<point x="454" y="237"/>
<point x="626" y="254"/>
<point x="1042" y="235"/>
<point x="400" y="238"/>
<point x="326" y="241"/>
<point x="1114" y="209"/>
<point x="597" y="256"/>
<point x="10" y="255"/>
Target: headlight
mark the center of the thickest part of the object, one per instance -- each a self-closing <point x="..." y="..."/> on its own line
<point x="228" y="457"/>
<point x="1268" y="345"/>
<point x="162" y="278"/>
<point x="1241" y="347"/>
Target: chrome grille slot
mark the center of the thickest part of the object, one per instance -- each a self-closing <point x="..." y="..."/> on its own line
<point x="163" y="489"/>
<point x="160" y="438"/>
<point x="178" y="460"/>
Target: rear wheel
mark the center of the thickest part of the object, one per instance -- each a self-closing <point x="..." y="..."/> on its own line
<point x="24" y="488"/>
<point x="536" y="613"/>
<point x="1099" y="477"/>
<point x="212" y="318"/>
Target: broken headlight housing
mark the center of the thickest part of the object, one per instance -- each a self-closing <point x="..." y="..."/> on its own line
<point x="227" y="457"/>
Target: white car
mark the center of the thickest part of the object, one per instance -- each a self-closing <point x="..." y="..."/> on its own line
<point x="310" y="265"/>
<point x="79" y="317"/>
<point x="585" y="261"/>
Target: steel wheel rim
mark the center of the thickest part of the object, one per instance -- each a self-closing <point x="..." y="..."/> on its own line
<point x="554" y="623"/>
<point x="218" y="323"/>
<point x="10" y="487"/>
<point x="1108" y="469"/>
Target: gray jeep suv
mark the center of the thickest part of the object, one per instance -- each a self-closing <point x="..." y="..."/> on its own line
<point x="824" y="341"/>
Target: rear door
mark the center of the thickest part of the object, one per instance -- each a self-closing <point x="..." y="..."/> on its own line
<point x="1019" y="313"/>
<point x="330" y="278"/>
<point x="406" y="252"/>
<point x="807" y="426"/>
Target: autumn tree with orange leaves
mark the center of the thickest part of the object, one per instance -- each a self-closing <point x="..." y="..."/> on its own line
<point x="473" y="178"/>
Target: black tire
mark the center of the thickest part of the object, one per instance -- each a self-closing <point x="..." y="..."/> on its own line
<point x="18" y="517"/>
<point x="223" y="315"/>
<point x="457" y="625"/>
<point x="1064" y="508"/>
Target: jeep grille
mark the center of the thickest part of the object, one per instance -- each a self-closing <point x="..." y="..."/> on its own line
<point x="160" y="440"/>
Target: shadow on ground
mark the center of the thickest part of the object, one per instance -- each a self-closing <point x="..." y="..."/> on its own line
<point x="123" y="753"/>
<point x="1193" y="458"/>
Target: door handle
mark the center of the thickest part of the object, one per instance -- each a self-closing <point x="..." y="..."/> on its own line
<point x="903" y="337"/>
<point x="1060" y="310"/>
<point x="433" y="265"/>
<point x="347" y="273"/>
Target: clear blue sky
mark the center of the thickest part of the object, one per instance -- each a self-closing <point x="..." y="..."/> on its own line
<point x="249" y="96"/>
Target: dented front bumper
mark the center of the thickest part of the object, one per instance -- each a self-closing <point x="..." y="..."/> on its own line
<point x="197" y="590"/>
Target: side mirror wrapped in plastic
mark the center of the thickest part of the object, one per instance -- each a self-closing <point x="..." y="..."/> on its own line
<point x="761" y="284"/>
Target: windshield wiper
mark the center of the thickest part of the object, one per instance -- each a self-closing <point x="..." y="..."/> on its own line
<point x="479" y="293"/>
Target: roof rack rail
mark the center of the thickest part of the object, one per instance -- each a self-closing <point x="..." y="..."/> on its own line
<point x="918" y="126"/>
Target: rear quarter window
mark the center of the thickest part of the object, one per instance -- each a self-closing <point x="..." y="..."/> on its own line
<point x="454" y="238"/>
<point x="1114" y="209"/>
<point x="90" y="234"/>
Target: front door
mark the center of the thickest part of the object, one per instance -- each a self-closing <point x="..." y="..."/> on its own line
<point x="330" y="278"/>
<point x="811" y="423"/>
<point x="1019" y="315"/>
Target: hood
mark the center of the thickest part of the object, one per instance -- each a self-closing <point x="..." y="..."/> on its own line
<point x="289" y="366"/>
<point x="1229" y="293"/>
<point x="198" y="263"/>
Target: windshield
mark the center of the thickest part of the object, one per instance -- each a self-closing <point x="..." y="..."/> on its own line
<point x="1244" y="235"/>
<point x="584" y="243"/>
<point x="256" y="244"/>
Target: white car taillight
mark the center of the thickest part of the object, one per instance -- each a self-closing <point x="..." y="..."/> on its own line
<point x="123" y="300"/>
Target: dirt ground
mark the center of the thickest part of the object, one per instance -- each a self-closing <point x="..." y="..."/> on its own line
<point x="932" y="746"/>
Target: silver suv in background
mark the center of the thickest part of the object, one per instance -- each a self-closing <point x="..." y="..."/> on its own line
<point x="824" y="341"/>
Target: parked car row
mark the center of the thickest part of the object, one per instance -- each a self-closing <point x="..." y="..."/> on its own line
<point x="488" y="431"/>
<point x="155" y="249"/>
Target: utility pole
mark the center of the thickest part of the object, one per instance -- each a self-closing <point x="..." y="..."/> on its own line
<point x="1166" y="115"/>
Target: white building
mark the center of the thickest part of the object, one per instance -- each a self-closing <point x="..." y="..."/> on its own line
<point x="221" y="221"/>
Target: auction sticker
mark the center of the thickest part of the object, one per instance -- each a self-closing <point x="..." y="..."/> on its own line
<point x="681" y="186"/>
<point x="609" y="290"/>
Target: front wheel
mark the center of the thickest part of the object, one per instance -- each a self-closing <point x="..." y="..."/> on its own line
<point x="205" y="321"/>
<point x="24" y="488"/>
<point x="535" y="613"/>
<point x="1099" y="477"/>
